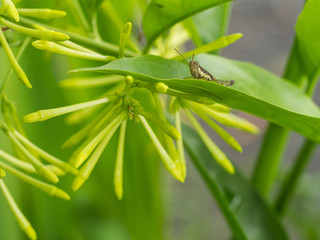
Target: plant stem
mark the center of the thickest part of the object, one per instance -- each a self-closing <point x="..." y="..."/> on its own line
<point x="225" y="22"/>
<point x="292" y="178"/>
<point x="109" y="10"/>
<point x="219" y="196"/>
<point x="269" y="158"/>
<point x="94" y="43"/>
<point x="77" y="9"/>
<point x="276" y="137"/>
<point x="294" y="175"/>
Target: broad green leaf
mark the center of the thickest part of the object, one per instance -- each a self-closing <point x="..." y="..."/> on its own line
<point x="162" y="14"/>
<point x="256" y="218"/>
<point x="255" y="91"/>
<point x="308" y="35"/>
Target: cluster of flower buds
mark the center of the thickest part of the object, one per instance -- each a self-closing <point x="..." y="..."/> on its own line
<point x="28" y="163"/>
<point x="10" y="19"/>
<point x="119" y="107"/>
<point x="110" y="113"/>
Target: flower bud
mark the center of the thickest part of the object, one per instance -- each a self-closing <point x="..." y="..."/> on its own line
<point x="129" y="80"/>
<point x="13" y="61"/>
<point x="117" y="179"/>
<point x="42" y="34"/>
<point x="2" y="173"/>
<point x="21" y="219"/>
<point x="11" y="9"/>
<point x="166" y="159"/>
<point x="217" y="154"/>
<point x="43" y="115"/>
<point x="57" y="48"/>
<point x="161" y="87"/>
<point x="41" y="13"/>
<point x="124" y="36"/>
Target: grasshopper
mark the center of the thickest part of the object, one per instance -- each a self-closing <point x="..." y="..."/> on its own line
<point x="199" y="72"/>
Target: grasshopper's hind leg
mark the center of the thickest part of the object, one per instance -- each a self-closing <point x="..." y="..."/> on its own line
<point x="224" y="82"/>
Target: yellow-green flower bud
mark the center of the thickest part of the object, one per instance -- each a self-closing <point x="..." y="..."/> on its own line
<point x="124" y="36"/>
<point x="163" y="125"/>
<point x="11" y="9"/>
<point x="41" y="13"/>
<point x="26" y="167"/>
<point x="86" y="170"/>
<point x="117" y="179"/>
<point x="129" y="80"/>
<point x="42" y="34"/>
<point x="180" y="147"/>
<point x="21" y="219"/>
<point x="43" y="115"/>
<point x="88" y="149"/>
<point x="57" y="48"/>
<point x="50" y="189"/>
<point x="166" y="159"/>
<point x="218" y="155"/>
<point x="48" y="157"/>
<point x="219" y="107"/>
<point x="13" y="61"/>
<point x="230" y="120"/>
<point x="222" y="133"/>
<point x="41" y="169"/>
<point x="2" y="173"/>
<point x="161" y="87"/>
<point x="90" y="82"/>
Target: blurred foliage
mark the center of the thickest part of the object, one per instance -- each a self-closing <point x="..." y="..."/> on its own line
<point x="94" y="212"/>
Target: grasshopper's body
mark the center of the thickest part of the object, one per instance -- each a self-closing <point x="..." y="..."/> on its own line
<point x="199" y="72"/>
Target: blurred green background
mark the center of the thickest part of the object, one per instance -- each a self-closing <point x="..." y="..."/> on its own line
<point x="155" y="206"/>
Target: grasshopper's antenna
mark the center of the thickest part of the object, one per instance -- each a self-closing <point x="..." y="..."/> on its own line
<point x="183" y="56"/>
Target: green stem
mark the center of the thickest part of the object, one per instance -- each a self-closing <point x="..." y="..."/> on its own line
<point x="220" y="198"/>
<point x="110" y="11"/>
<point x="192" y="30"/>
<point x="226" y="18"/>
<point x="304" y="157"/>
<point x="148" y="46"/>
<point x="95" y="28"/>
<point x="312" y="83"/>
<point x="269" y="158"/>
<point x="94" y="43"/>
<point x="276" y="137"/>
<point x="294" y="175"/>
<point x="225" y="23"/>
<point x="76" y="7"/>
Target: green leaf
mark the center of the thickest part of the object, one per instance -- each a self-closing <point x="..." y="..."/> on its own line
<point x="256" y="218"/>
<point x="255" y="91"/>
<point x="308" y="34"/>
<point x="162" y="14"/>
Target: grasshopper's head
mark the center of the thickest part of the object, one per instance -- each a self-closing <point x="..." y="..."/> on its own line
<point x="194" y="67"/>
<point x="193" y="64"/>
